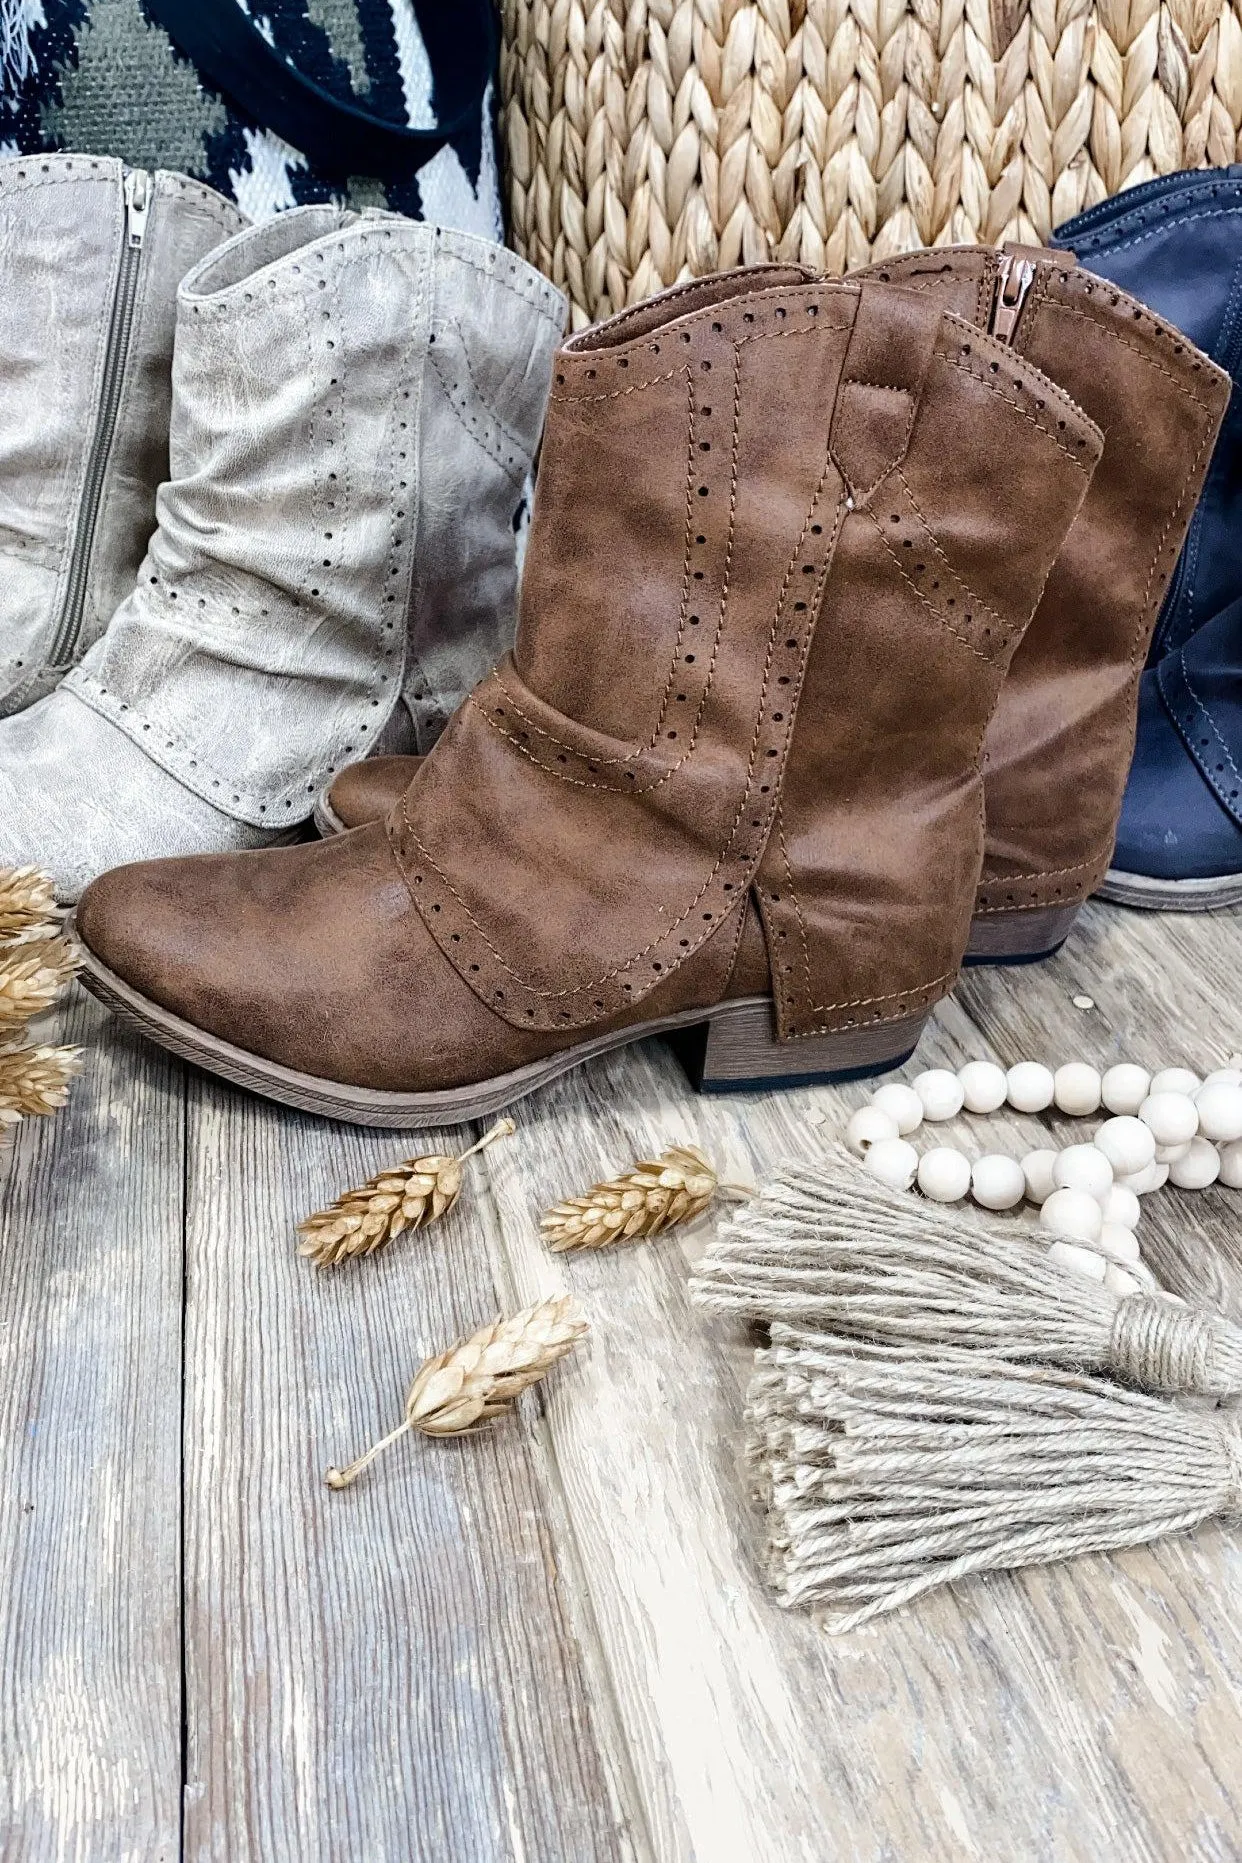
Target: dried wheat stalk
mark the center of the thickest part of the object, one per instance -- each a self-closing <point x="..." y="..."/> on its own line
<point x="657" y="1193"/>
<point x="480" y="1377"/>
<point x="27" y="905"/>
<point x="35" y="1080"/>
<point x="31" y="978"/>
<point x="404" y="1196"/>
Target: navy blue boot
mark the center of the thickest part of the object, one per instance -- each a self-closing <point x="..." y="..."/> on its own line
<point x="1176" y="244"/>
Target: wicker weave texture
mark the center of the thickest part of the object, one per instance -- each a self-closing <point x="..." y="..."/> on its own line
<point x="654" y="140"/>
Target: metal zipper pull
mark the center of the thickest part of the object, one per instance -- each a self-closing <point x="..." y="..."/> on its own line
<point x="137" y="202"/>
<point x="1014" y="278"/>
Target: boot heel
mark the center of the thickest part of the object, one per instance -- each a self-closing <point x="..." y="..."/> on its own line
<point x="1022" y="937"/>
<point x="738" y="1050"/>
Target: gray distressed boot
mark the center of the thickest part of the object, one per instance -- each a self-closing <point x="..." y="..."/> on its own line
<point x="91" y="255"/>
<point x="356" y="400"/>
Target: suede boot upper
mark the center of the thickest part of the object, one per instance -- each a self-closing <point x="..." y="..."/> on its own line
<point x="1059" y="748"/>
<point x="765" y="615"/>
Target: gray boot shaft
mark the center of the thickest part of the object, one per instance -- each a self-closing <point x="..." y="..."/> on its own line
<point x="496" y="324"/>
<point x="338" y="524"/>
<point x="90" y="259"/>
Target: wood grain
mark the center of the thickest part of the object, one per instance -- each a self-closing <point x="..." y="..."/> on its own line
<point x="384" y="1673"/>
<point x="1083" y="1712"/>
<point x="90" y="1460"/>
<point x="550" y="1642"/>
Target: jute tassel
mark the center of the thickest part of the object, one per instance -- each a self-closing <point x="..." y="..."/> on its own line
<point x="833" y="1247"/>
<point x="885" y="1473"/>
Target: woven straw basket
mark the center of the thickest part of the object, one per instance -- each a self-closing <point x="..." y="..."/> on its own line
<point x="652" y="140"/>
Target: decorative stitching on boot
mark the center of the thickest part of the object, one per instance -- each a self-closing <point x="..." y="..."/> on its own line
<point x="862" y="493"/>
<point x="1158" y="227"/>
<point x="635" y="388"/>
<point x="516" y="464"/>
<point x="686" y="946"/>
<point x="890" y="996"/>
<point x="1006" y="629"/>
<point x="1115" y="336"/>
<point x="1189" y="479"/>
<point x="1207" y="716"/>
<point x="570" y="750"/>
<point x="521" y="280"/>
<point x="993" y="389"/>
<point x="593" y="761"/>
<point x="190" y="765"/>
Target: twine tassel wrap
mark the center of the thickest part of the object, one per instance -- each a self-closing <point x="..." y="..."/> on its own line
<point x="833" y="1247"/>
<point x="884" y="1474"/>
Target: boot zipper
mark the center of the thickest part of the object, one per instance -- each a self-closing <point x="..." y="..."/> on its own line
<point x="1014" y="278"/>
<point x="137" y="204"/>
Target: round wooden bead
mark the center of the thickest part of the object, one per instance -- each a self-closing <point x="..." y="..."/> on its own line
<point x="1127" y="1143"/>
<point x="944" y="1174"/>
<point x="1120" y="1280"/>
<point x="1125" y="1087"/>
<point x="1175" y="1080"/>
<point x="1083" y="1167"/>
<point x="1219" y="1107"/>
<point x="1199" y="1168"/>
<point x="1079" y="1260"/>
<point x="983" y="1086"/>
<point x="1223" y="1077"/>
<point x="1151" y="1177"/>
<point x="902" y="1104"/>
<point x="997" y="1182"/>
<point x="941" y="1093"/>
<point x="1037" y="1169"/>
<point x="1074" y="1214"/>
<point x="1231" y="1165"/>
<point x="1171" y="1116"/>
<point x="1122" y="1206"/>
<point x="1076" y="1089"/>
<point x="893" y="1161"/>
<point x="1028" y="1087"/>
<point x="1118" y="1243"/>
<point x="867" y="1127"/>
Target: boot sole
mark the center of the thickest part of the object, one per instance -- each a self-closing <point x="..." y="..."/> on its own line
<point x="1023" y="937"/>
<point x="734" y="1049"/>
<point x="1148" y="895"/>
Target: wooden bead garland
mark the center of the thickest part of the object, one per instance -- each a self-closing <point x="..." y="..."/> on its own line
<point x="1166" y="1127"/>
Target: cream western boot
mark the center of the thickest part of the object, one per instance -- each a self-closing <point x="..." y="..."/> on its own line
<point x="91" y="254"/>
<point x="356" y="400"/>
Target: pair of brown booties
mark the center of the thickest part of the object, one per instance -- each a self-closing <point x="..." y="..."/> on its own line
<point x="834" y="608"/>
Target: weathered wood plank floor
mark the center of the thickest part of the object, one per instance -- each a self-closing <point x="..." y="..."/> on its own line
<point x="548" y="1642"/>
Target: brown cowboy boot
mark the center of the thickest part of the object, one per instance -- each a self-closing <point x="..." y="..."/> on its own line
<point x="1059" y="746"/>
<point x="785" y="539"/>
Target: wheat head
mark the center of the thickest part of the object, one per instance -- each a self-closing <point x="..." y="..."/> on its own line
<point x="480" y="1377"/>
<point x="31" y="978"/>
<point x="27" y="904"/>
<point x="404" y="1196"/>
<point x="35" y="1080"/>
<point x="652" y="1197"/>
